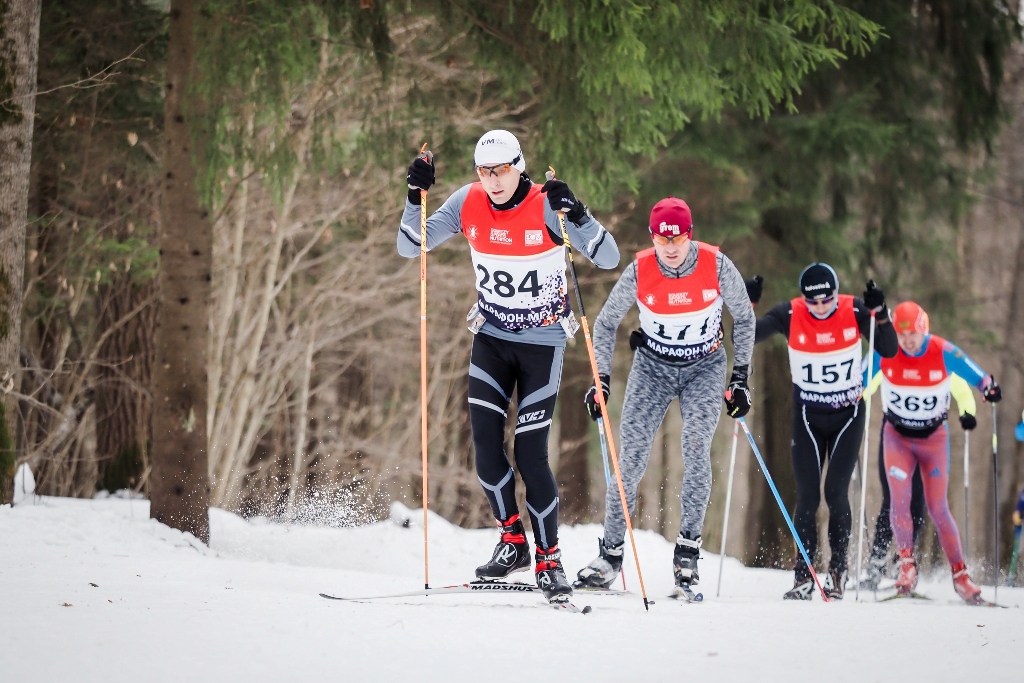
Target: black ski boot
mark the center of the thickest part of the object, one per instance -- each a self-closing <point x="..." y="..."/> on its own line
<point x="684" y="567"/>
<point x="512" y="554"/>
<point x="602" y="570"/>
<point x="551" y="576"/>
<point x="835" y="583"/>
<point x="803" y="589"/>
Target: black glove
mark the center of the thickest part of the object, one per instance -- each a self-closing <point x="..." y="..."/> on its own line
<point x="874" y="299"/>
<point x="420" y="176"/>
<point x="992" y="393"/>
<point x="754" y="288"/>
<point x="968" y="422"/>
<point x="737" y="394"/>
<point x="561" y="198"/>
<point x="636" y="340"/>
<point x="593" y="408"/>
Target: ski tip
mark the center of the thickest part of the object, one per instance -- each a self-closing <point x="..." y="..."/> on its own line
<point x="699" y="597"/>
<point x="587" y="609"/>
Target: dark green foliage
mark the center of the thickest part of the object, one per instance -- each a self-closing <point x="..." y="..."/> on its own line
<point x="258" y="57"/>
<point x="615" y="80"/>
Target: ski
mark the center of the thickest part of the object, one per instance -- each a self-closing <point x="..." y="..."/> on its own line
<point x="905" y="596"/>
<point x="601" y="591"/>
<point x="686" y="593"/>
<point x="474" y="587"/>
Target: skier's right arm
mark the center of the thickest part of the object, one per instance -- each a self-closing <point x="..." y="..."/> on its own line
<point x="775" y="321"/>
<point x="442" y="225"/>
<point x="606" y="324"/>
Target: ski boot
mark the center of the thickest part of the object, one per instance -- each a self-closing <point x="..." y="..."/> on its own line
<point x="906" y="582"/>
<point x="874" y="573"/>
<point x="803" y="589"/>
<point x="835" y="582"/>
<point x="966" y="588"/>
<point x="602" y="570"/>
<point x="551" y="576"/>
<point x="511" y="555"/>
<point x="684" y="567"/>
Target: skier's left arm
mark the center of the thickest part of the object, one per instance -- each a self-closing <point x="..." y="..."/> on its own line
<point x="734" y="294"/>
<point x="958" y="362"/>
<point x="964" y="397"/>
<point x="588" y="237"/>
<point x="886" y="343"/>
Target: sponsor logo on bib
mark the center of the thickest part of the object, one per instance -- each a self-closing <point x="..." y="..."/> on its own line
<point x="679" y="298"/>
<point x="710" y="294"/>
<point x="649" y="299"/>
<point x="934" y="375"/>
<point x="849" y="333"/>
<point x="825" y="338"/>
<point x="534" y="237"/>
<point x="500" y="236"/>
<point x="472" y="232"/>
<point x="911" y="373"/>
<point x="802" y="338"/>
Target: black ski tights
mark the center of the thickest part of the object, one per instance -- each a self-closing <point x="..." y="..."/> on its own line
<point x="817" y="435"/>
<point x="496" y="368"/>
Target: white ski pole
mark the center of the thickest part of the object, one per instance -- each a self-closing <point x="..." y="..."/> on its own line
<point x="861" y="521"/>
<point x="995" y="508"/>
<point x="728" y="501"/>
<point x="967" y="509"/>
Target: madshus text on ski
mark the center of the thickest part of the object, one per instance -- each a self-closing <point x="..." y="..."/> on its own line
<point x="517" y="232"/>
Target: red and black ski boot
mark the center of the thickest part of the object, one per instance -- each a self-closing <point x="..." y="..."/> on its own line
<point x="966" y="588"/>
<point x="551" y="576"/>
<point x="906" y="582"/>
<point x="511" y="555"/>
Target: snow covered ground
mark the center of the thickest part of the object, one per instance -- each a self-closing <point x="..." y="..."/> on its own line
<point x="96" y="591"/>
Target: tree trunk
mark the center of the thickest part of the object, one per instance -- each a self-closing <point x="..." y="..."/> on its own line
<point x="123" y="409"/>
<point x="573" y="438"/>
<point x="19" y="47"/>
<point x="179" y="486"/>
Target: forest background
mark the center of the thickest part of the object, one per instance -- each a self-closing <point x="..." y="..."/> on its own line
<point x="205" y="305"/>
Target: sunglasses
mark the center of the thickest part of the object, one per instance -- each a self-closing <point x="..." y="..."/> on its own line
<point x="498" y="170"/>
<point x="662" y="240"/>
<point x="819" y="302"/>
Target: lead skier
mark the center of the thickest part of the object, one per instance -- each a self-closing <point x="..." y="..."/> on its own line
<point x="823" y="328"/>
<point x="521" y="321"/>
<point x="915" y="394"/>
<point x="679" y="286"/>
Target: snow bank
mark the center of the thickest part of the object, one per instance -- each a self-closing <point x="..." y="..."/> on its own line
<point x="94" y="590"/>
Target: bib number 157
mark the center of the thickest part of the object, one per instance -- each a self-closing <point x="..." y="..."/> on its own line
<point x="829" y="374"/>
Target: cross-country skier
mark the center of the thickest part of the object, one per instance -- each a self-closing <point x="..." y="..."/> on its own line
<point x="823" y="328"/>
<point x="877" y="563"/>
<point x="679" y="286"/>
<point x="915" y="395"/>
<point x="521" y="322"/>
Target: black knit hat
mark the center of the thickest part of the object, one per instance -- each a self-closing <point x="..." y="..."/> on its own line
<point x="818" y="281"/>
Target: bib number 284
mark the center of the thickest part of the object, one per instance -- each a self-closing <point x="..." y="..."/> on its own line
<point x="503" y="283"/>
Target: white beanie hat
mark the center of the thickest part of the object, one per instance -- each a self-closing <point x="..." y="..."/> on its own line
<point x="499" y="147"/>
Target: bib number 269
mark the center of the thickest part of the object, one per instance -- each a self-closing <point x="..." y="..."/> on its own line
<point x="503" y="283"/>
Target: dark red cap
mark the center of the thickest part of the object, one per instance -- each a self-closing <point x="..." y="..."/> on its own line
<point x="671" y="217"/>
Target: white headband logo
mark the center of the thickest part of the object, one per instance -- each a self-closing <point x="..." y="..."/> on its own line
<point x="665" y="226"/>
